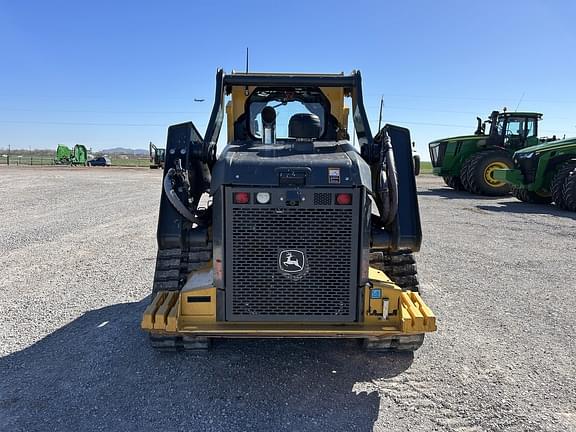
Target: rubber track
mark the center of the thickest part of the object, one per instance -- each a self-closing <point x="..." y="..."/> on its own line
<point x="569" y="191"/>
<point x="172" y="269"/>
<point x="397" y="343"/>
<point x="557" y="183"/>
<point x="399" y="266"/>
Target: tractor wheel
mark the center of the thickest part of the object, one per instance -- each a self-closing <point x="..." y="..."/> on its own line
<point x="454" y="182"/>
<point x="531" y="197"/>
<point x="569" y="191"/>
<point x="400" y="267"/>
<point x="557" y="183"/>
<point x="416" y="165"/>
<point x="477" y="173"/>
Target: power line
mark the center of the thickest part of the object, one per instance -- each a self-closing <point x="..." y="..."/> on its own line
<point x="83" y="124"/>
<point x="101" y="112"/>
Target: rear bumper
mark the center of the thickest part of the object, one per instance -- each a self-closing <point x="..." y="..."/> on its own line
<point x="394" y="313"/>
<point x="512" y="176"/>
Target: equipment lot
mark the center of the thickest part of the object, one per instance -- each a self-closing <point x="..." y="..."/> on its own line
<point x="77" y="252"/>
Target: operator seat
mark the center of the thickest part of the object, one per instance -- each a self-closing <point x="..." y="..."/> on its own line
<point x="304" y="126"/>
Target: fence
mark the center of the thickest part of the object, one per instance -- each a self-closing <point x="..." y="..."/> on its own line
<point x="26" y="160"/>
<point x="17" y="160"/>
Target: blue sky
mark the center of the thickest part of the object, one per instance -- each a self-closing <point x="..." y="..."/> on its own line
<point x="118" y="73"/>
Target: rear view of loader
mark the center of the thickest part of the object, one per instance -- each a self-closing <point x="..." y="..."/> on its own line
<point x="286" y="232"/>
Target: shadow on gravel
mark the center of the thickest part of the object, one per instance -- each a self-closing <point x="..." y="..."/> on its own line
<point x="525" y="208"/>
<point x="98" y="373"/>
<point x="452" y="194"/>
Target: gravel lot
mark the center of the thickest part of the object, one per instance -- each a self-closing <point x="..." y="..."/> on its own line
<point x="77" y="250"/>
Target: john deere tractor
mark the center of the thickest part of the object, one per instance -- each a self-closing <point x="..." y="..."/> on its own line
<point x="544" y="173"/>
<point x="288" y="231"/>
<point x="468" y="162"/>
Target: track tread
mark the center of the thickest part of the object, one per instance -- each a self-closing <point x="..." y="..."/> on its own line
<point x="400" y="267"/>
<point x="395" y="343"/>
<point x="172" y="268"/>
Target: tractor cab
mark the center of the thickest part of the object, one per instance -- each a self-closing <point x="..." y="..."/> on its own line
<point x="514" y="130"/>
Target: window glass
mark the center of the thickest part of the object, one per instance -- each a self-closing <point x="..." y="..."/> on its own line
<point x="515" y="126"/>
<point x="530" y="127"/>
<point x="284" y="111"/>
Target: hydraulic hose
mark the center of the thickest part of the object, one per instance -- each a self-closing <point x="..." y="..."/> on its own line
<point x="392" y="180"/>
<point x="173" y="197"/>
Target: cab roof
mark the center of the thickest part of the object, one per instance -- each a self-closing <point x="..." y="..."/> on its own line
<point x="289" y="79"/>
<point x="521" y="114"/>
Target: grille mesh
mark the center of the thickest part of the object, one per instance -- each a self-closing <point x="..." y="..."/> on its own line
<point x="260" y="290"/>
<point x="322" y="198"/>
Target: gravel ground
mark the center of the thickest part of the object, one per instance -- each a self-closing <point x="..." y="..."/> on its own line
<point x="77" y="249"/>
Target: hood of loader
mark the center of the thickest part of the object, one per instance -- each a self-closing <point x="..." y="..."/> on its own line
<point x="257" y="164"/>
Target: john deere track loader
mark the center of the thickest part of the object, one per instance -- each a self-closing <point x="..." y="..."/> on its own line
<point x="290" y="231"/>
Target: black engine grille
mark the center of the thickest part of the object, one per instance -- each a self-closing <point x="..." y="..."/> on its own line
<point x="257" y="288"/>
<point x="437" y="152"/>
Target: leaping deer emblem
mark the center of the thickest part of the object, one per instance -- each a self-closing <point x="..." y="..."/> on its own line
<point x="291" y="262"/>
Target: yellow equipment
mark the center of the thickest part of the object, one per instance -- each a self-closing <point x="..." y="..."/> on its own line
<point x="286" y="231"/>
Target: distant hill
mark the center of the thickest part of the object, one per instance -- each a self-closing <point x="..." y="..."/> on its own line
<point x="126" y="151"/>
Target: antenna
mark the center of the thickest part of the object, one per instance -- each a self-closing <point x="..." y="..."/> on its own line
<point x="246" y="87"/>
<point x="380" y="116"/>
<point x="247" y="59"/>
<point x="520" y="101"/>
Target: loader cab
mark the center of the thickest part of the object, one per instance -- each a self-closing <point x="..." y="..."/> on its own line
<point x="514" y="130"/>
<point x="264" y="111"/>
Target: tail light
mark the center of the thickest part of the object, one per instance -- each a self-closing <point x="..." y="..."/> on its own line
<point x="344" y="199"/>
<point x="241" y="197"/>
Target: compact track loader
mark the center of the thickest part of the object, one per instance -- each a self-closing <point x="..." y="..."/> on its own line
<point x="290" y="231"/>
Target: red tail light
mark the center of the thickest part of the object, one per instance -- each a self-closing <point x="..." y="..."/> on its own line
<point x="344" y="198"/>
<point x="241" y="197"/>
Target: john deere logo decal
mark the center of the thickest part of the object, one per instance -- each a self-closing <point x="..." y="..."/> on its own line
<point x="292" y="261"/>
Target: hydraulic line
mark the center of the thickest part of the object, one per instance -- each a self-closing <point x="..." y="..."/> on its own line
<point x="389" y="182"/>
<point x="174" y="199"/>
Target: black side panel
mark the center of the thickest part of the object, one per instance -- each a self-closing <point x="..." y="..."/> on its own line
<point x="407" y="229"/>
<point x="177" y="147"/>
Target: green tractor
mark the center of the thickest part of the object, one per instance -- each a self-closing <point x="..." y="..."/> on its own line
<point x="468" y="162"/>
<point x="66" y="156"/>
<point x="544" y="173"/>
